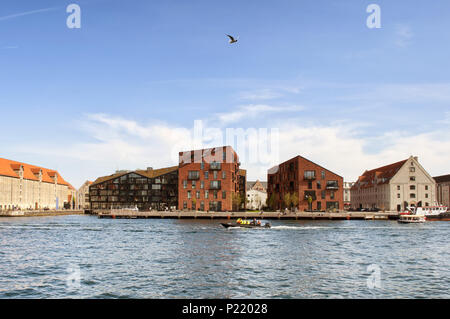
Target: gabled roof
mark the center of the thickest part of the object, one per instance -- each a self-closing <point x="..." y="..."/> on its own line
<point x="251" y="185"/>
<point x="275" y="169"/>
<point x="442" y="179"/>
<point x="146" y="173"/>
<point x="30" y="172"/>
<point x="379" y="176"/>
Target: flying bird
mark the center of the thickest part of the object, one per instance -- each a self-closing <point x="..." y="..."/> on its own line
<point x="232" y="40"/>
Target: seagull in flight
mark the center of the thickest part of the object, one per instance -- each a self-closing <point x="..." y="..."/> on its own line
<point x="232" y="40"/>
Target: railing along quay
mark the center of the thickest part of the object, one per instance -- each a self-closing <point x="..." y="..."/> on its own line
<point x="249" y="215"/>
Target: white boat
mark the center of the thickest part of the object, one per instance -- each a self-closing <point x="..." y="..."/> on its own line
<point x="412" y="219"/>
<point x="426" y="211"/>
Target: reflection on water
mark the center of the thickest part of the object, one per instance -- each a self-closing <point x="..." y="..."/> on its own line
<point x="86" y="257"/>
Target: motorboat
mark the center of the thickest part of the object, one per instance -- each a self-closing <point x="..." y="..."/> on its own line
<point x="411" y="219"/>
<point x="437" y="212"/>
<point x="242" y="223"/>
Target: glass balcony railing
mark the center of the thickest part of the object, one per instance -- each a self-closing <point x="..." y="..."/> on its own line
<point x="215" y="166"/>
<point x="332" y="185"/>
<point x="193" y="175"/>
<point x="310" y="175"/>
<point x="215" y="185"/>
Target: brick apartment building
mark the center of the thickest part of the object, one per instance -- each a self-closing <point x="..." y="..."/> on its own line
<point x="209" y="180"/>
<point x="443" y="189"/>
<point x="315" y="187"/>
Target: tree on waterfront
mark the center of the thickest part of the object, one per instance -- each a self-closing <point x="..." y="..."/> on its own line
<point x="237" y="200"/>
<point x="270" y="201"/>
<point x="287" y="200"/>
<point x="295" y="200"/>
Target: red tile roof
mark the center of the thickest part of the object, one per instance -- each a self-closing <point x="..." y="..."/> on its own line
<point x="30" y="172"/>
<point x="379" y="176"/>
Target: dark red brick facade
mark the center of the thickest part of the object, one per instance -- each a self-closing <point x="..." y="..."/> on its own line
<point x="208" y="179"/>
<point x="305" y="178"/>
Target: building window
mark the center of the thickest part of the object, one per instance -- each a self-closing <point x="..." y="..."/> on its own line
<point x="426" y="195"/>
<point x="189" y="194"/>
<point x="398" y="195"/>
<point x="215" y="174"/>
<point x="206" y="194"/>
<point x="310" y="175"/>
<point x="319" y="205"/>
<point x="206" y="175"/>
<point x="412" y="178"/>
<point x="398" y="187"/>
<point x="224" y="175"/>
<point x="323" y="194"/>
<point x="412" y="195"/>
<point x="412" y="169"/>
<point x="323" y="174"/>
<point x="309" y="185"/>
<point x="319" y="185"/>
<point x="412" y="187"/>
<point x="426" y="187"/>
<point x="224" y="194"/>
<point x="202" y="166"/>
<point x="197" y="194"/>
<point x="332" y="195"/>
<point x="215" y="194"/>
<point x="202" y="184"/>
<point x="184" y="205"/>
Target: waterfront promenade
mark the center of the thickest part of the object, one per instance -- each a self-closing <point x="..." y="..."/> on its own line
<point x="249" y="215"/>
<point x="37" y="213"/>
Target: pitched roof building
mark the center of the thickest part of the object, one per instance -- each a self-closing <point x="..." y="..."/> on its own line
<point x="443" y="189"/>
<point x="394" y="187"/>
<point x="144" y="189"/>
<point x="27" y="186"/>
<point x="312" y="186"/>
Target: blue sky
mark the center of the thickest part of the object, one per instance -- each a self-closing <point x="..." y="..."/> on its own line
<point x="120" y="91"/>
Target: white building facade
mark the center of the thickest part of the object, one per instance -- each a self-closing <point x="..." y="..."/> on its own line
<point x="24" y="186"/>
<point x="394" y="187"/>
<point x="256" y="195"/>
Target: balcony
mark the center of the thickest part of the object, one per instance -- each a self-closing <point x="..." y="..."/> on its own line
<point x="215" y="166"/>
<point x="311" y="194"/>
<point x="215" y="185"/>
<point x="193" y="175"/>
<point x="309" y="175"/>
<point x="333" y="185"/>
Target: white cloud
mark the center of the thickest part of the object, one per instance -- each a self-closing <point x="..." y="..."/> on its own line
<point x="253" y="111"/>
<point x="268" y="93"/>
<point x="21" y="14"/>
<point x="119" y="143"/>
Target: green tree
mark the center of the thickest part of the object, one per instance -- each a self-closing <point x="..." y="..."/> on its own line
<point x="236" y="201"/>
<point x="295" y="200"/>
<point x="287" y="200"/>
<point x="270" y="201"/>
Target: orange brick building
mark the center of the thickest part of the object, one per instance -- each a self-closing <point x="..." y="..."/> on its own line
<point x="303" y="179"/>
<point x="209" y="179"/>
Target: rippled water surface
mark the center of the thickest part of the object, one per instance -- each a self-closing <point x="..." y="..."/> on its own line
<point x="86" y="257"/>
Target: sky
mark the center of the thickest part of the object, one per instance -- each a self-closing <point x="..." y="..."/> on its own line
<point x="126" y="90"/>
